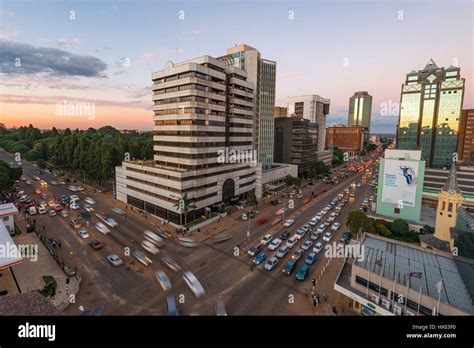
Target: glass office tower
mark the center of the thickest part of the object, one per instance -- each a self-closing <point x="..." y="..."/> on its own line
<point x="431" y="102"/>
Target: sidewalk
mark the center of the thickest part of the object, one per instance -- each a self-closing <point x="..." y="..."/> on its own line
<point x="29" y="273"/>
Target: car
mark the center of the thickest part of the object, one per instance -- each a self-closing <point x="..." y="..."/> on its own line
<point x="327" y="237"/>
<point x="329" y="220"/>
<point x="313" y="221"/>
<point x="54" y="183"/>
<point x="83" y="234"/>
<point x="72" y="188"/>
<point x="282" y="252"/>
<point x="318" y="247"/>
<point x="102" y="228"/>
<point x="52" y="204"/>
<point x="341" y="243"/>
<point x="253" y="249"/>
<point x="327" y="223"/>
<point x="315" y="235"/>
<point x="28" y="182"/>
<point x="86" y="214"/>
<point x="285" y="235"/>
<point x="275" y="202"/>
<point x="43" y="204"/>
<point x="289" y="267"/>
<point x="43" y="183"/>
<point x="58" y="207"/>
<point x="335" y="226"/>
<point x="290" y="243"/>
<point x="352" y="194"/>
<point x="194" y="284"/>
<point x="271" y="263"/>
<point x="321" y="228"/>
<point x="153" y="238"/>
<point x="171" y="263"/>
<point x="23" y="198"/>
<point x="75" y="223"/>
<point x="298" y="254"/>
<point x="36" y="178"/>
<point x="347" y="235"/>
<point x="96" y="244"/>
<point x="64" y="198"/>
<point x="150" y="247"/>
<point x="358" y="184"/>
<point x="115" y="260"/>
<point x="52" y="212"/>
<point x="163" y="280"/>
<point x="89" y="200"/>
<point x="111" y="222"/>
<point x="300" y="234"/>
<point x="141" y="257"/>
<point x="302" y="272"/>
<point x="74" y="198"/>
<point x="88" y="208"/>
<point x="266" y="239"/>
<point x="118" y="211"/>
<point x="41" y="210"/>
<point x="162" y="234"/>
<point x="274" y="244"/>
<point x="288" y="223"/>
<point x="220" y="309"/>
<point x="306" y="245"/>
<point x="261" y="256"/>
<point x="171" y="308"/>
<point x="245" y="216"/>
<point x="64" y="213"/>
<point x="80" y="188"/>
<point x="74" y="206"/>
<point x="310" y="258"/>
<point x="60" y="182"/>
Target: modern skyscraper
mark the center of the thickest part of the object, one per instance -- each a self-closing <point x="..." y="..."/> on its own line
<point x="466" y="138"/>
<point x="431" y="102"/>
<point x="313" y="108"/>
<point x="203" y="109"/>
<point x="360" y="110"/>
<point x="262" y="73"/>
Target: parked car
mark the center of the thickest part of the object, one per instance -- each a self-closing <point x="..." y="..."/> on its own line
<point x="318" y="247"/>
<point x="64" y="213"/>
<point x="254" y="249"/>
<point x="299" y="234"/>
<point x="74" y="206"/>
<point x="163" y="280"/>
<point x="96" y="244"/>
<point x="102" y="228"/>
<point x="52" y="212"/>
<point x="298" y="254"/>
<point x="289" y="267"/>
<point x="194" y="284"/>
<point x="285" y="235"/>
<point x="274" y="244"/>
<point x="75" y="223"/>
<point x="282" y="252"/>
<point x="290" y="243"/>
<point x="341" y="243"/>
<point x="306" y="245"/>
<point x="115" y="260"/>
<point x="41" y="210"/>
<point x="261" y="256"/>
<point x="302" y="272"/>
<point x="288" y="223"/>
<point x="266" y="239"/>
<point x="327" y="237"/>
<point x="271" y="263"/>
<point x="83" y="234"/>
<point x="310" y="258"/>
<point x="335" y="226"/>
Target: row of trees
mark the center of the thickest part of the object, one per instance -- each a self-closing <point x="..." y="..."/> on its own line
<point x="8" y="175"/>
<point x="96" y="152"/>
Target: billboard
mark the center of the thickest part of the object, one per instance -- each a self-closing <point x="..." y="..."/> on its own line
<point x="400" y="180"/>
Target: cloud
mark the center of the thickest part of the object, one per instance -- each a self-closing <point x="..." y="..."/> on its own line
<point x="146" y="57"/>
<point x="65" y="41"/>
<point x="50" y="61"/>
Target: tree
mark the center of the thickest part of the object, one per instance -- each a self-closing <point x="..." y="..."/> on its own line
<point x="8" y="176"/>
<point x="358" y="222"/>
<point x="400" y="227"/>
<point x="251" y="199"/>
<point x="371" y="147"/>
<point x="183" y="206"/>
<point x="290" y="180"/>
<point x="320" y="168"/>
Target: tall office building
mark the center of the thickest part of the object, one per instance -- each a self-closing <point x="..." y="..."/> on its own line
<point x="202" y="107"/>
<point x="431" y="101"/>
<point x="466" y="138"/>
<point x="360" y="110"/>
<point x="313" y="108"/>
<point x="262" y="73"/>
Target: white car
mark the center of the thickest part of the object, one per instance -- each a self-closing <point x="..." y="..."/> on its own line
<point x="299" y="234"/>
<point x="89" y="200"/>
<point x="74" y="206"/>
<point x="115" y="260"/>
<point x="318" y="247"/>
<point x="88" y="207"/>
<point x="306" y="245"/>
<point x="282" y="251"/>
<point x="74" y="198"/>
<point x="315" y="235"/>
<point x="313" y="221"/>
<point x="331" y="219"/>
<point x="83" y="234"/>
<point x="266" y="239"/>
<point x="327" y="237"/>
<point x="72" y="188"/>
<point x="335" y="226"/>
<point x="289" y="222"/>
<point x="193" y="284"/>
<point x="274" y="244"/>
<point x="327" y="223"/>
<point x="111" y="222"/>
<point x="150" y="247"/>
<point x="32" y="210"/>
<point x="321" y="228"/>
<point x="102" y="228"/>
<point x="271" y="263"/>
<point x="41" y="210"/>
<point x="290" y="243"/>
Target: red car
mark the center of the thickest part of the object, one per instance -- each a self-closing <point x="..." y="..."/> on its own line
<point x="96" y="244"/>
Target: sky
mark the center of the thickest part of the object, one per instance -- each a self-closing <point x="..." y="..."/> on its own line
<point x="99" y="55"/>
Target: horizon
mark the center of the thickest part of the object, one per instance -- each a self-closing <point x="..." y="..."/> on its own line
<point x="96" y="57"/>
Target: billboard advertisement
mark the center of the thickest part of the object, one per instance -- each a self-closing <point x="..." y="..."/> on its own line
<point x="400" y="180"/>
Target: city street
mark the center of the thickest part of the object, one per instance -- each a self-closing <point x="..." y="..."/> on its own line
<point x="224" y="274"/>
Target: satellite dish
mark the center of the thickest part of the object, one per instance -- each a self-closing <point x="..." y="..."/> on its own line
<point x="169" y="65"/>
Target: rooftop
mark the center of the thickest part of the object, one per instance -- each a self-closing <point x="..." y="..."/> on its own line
<point x="395" y="260"/>
<point x="8" y="209"/>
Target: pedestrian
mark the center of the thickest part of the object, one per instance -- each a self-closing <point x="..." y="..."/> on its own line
<point x="43" y="227"/>
<point x="199" y="230"/>
<point x="59" y="244"/>
<point x="334" y="310"/>
<point x="251" y="268"/>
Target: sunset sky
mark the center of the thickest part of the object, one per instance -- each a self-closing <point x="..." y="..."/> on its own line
<point x="47" y="57"/>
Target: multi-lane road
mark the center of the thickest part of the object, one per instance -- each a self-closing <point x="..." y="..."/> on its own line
<point x="224" y="274"/>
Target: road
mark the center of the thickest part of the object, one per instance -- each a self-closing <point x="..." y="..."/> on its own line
<point x="134" y="289"/>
